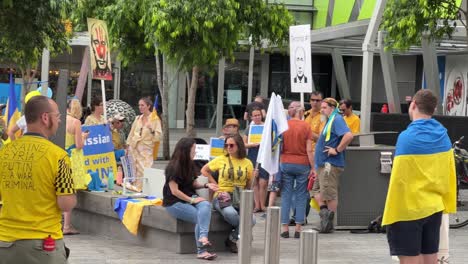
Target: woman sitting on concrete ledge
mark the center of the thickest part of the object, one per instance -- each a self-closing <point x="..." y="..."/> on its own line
<point x="180" y="198"/>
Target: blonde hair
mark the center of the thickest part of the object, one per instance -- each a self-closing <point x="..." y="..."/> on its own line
<point x="74" y="108"/>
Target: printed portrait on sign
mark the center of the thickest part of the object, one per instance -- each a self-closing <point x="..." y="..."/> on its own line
<point x="99" y="50"/>
<point x="300" y="62"/>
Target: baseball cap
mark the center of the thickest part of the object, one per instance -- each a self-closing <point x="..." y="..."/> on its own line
<point x="116" y="117"/>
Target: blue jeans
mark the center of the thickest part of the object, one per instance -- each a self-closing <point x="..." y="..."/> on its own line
<point x="199" y="214"/>
<point x="294" y="173"/>
<point x="231" y="216"/>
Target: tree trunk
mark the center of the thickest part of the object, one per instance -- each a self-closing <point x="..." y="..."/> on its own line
<point x="27" y="75"/>
<point x="190" y="112"/>
<point x="162" y="86"/>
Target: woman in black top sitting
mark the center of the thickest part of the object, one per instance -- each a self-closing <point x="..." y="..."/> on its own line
<point x="180" y="198"/>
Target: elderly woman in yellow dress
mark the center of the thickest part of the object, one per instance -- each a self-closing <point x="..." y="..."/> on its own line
<point x="145" y="132"/>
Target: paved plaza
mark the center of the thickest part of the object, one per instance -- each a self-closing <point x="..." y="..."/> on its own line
<point x="340" y="247"/>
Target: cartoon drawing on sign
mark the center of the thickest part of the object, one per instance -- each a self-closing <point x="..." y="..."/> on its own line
<point x="299" y="61"/>
<point x="454" y="102"/>
<point x="100" y="54"/>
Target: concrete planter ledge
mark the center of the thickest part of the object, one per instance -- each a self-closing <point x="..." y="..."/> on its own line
<point x="95" y="214"/>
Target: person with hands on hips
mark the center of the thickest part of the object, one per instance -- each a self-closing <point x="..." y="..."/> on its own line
<point x="330" y="162"/>
<point x="180" y="199"/>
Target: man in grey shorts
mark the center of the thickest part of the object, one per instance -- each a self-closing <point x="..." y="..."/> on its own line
<point x="329" y="161"/>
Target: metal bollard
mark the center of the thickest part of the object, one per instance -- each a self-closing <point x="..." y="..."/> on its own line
<point x="308" y="250"/>
<point x="246" y="208"/>
<point x="272" y="235"/>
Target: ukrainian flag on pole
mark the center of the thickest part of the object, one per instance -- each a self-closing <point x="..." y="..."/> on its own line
<point x="275" y="125"/>
<point x="154" y="116"/>
<point x="12" y="112"/>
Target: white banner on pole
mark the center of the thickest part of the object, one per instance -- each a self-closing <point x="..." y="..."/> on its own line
<point x="300" y="59"/>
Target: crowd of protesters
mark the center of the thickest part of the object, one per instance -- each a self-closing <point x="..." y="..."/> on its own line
<point x="311" y="159"/>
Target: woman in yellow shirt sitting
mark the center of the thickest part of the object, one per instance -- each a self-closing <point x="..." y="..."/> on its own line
<point x="235" y="170"/>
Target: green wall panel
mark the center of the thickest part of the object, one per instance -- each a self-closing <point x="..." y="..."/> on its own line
<point x="367" y="9"/>
<point x="320" y="17"/>
<point x="342" y="11"/>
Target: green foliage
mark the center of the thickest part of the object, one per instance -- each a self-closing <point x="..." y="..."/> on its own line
<point x="407" y="20"/>
<point x="199" y="33"/>
<point x="29" y="26"/>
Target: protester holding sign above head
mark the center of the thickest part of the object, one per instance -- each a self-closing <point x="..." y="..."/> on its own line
<point x="180" y="198"/>
<point x="144" y="134"/>
<point x="235" y="174"/>
<point x="97" y="110"/>
<point x="261" y="181"/>
<point x="74" y="142"/>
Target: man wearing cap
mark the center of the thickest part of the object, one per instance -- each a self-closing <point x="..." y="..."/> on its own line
<point x="231" y="127"/>
<point x="329" y="161"/>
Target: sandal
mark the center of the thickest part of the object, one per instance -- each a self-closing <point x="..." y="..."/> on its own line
<point x="258" y="210"/>
<point x="208" y="256"/>
<point x="206" y="244"/>
<point x="70" y="231"/>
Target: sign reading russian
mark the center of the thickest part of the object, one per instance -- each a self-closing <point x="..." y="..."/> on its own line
<point x="217" y="147"/>
<point x="99" y="50"/>
<point x="255" y="133"/>
<point x="99" y="151"/>
<point x="300" y="59"/>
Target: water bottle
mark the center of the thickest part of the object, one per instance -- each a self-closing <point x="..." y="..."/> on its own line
<point x="110" y="180"/>
<point x="119" y="175"/>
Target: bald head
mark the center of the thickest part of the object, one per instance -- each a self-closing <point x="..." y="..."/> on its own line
<point x="295" y="109"/>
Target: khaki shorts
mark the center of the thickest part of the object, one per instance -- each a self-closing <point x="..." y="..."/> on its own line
<point x="31" y="252"/>
<point x="326" y="184"/>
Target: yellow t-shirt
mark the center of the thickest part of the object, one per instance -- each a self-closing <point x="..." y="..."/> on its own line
<point x="353" y="122"/>
<point x="117" y="139"/>
<point x="91" y="120"/>
<point x="243" y="169"/>
<point x="314" y="119"/>
<point x="33" y="172"/>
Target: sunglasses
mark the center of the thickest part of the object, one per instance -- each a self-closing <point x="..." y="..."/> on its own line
<point x="229" y="145"/>
<point x="315" y="100"/>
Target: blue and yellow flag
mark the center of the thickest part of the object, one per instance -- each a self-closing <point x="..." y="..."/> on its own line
<point x="130" y="210"/>
<point x="423" y="180"/>
<point x="12" y="112"/>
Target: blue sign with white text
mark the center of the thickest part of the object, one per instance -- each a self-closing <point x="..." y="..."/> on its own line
<point x="99" y="140"/>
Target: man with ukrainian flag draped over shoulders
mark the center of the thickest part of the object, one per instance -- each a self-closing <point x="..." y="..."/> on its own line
<point x="422" y="185"/>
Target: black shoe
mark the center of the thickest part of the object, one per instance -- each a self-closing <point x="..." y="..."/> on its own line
<point x="231" y="245"/>
<point x="292" y="222"/>
<point x="297" y="234"/>
<point x="285" y="234"/>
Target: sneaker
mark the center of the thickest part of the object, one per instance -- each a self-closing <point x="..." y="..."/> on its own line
<point x="231" y="245"/>
<point x="329" y="227"/>
<point x="323" y="216"/>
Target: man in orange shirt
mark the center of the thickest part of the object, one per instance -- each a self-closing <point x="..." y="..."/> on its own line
<point x="296" y="165"/>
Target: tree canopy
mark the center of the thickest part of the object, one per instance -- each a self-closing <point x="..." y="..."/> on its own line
<point x="29" y="26"/>
<point x="406" y="21"/>
<point x="199" y="33"/>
